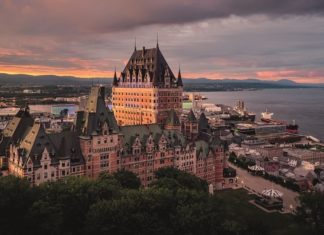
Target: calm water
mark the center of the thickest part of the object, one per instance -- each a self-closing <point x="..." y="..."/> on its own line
<point x="305" y="106"/>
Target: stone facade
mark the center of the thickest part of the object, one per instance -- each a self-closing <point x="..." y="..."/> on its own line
<point x="98" y="145"/>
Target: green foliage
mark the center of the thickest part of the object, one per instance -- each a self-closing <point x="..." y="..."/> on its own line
<point x="177" y="203"/>
<point x="127" y="179"/>
<point x="16" y="197"/>
<point x="174" y="178"/>
<point x="311" y="211"/>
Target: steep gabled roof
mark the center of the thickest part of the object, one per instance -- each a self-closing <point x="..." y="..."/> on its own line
<point x="63" y="145"/>
<point x="202" y="148"/>
<point x="152" y="63"/>
<point x="203" y="123"/>
<point x="18" y="125"/>
<point x="173" y="119"/>
<point x="15" y="129"/>
<point x="191" y="116"/>
<point x="130" y="133"/>
<point x="34" y="143"/>
<point x="91" y="120"/>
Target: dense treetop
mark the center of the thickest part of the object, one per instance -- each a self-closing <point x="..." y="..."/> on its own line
<point x="177" y="203"/>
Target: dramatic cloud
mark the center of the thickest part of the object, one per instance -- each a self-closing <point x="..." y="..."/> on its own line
<point x="265" y="39"/>
<point x="71" y="16"/>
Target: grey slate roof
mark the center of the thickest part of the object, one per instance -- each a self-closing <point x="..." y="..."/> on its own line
<point x="62" y="145"/>
<point x="150" y="63"/>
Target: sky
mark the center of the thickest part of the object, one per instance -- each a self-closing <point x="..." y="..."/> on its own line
<point x="215" y="39"/>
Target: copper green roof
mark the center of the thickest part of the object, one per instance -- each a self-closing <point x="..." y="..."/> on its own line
<point x="173" y="119"/>
<point x="143" y="132"/>
<point x="203" y="123"/>
<point x="191" y="116"/>
<point x="96" y="115"/>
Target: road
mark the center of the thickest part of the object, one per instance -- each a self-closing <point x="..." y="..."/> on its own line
<point x="258" y="184"/>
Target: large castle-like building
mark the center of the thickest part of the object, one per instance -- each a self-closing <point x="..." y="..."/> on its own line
<point x="103" y="141"/>
<point x="146" y="89"/>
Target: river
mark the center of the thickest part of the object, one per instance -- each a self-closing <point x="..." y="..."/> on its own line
<point x="305" y="106"/>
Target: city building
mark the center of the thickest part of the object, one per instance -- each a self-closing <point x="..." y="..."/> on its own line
<point x="12" y="133"/>
<point x="97" y="144"/>
<point x="146" y="89"/>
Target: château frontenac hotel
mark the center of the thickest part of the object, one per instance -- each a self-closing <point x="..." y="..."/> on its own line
<point x="142" y="133"/>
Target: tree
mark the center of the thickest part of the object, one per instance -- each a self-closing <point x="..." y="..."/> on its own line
<point x="16" y="197"/>
<point x="49" y="218"/>
<point x="311" y="211"/>
<point x="127" y="179"/>
<point x="182" y="178"/>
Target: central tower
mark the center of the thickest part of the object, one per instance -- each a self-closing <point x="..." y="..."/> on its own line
<point x="146" y="89"/>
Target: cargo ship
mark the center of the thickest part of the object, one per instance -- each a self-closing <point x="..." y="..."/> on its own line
<point x="290" y="127"/>
<point x="240" y="108"/>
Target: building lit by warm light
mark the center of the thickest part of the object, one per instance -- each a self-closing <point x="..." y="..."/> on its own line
<point x="146" y="89"/>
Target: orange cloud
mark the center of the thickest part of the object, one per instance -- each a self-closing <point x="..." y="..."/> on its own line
<point x="308" y="76"/>
<point x="44" y="70"/>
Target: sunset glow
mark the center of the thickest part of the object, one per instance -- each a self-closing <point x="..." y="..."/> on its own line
<point x="220" y="41"/>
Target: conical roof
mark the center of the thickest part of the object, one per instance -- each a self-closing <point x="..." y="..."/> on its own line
<point x="203" y="122"/>
<point x="179" y="82"/>
<point x="173" y="119"/>
<point x="191" y="116"/>
<point x="115" y="81"/>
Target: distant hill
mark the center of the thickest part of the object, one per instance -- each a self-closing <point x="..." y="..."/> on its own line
<point x="47" y="80"/>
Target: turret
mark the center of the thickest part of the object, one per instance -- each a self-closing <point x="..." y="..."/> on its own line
<point x="179" y="81"/>
<point x="115" y="82"/>
<point x="190" y="126"/>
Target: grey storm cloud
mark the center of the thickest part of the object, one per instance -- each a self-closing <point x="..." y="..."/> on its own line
<point x="89" y="16"/>
<point x="214" y="38"/>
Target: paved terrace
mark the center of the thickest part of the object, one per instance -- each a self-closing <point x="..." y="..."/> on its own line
<point x="257" y="184"/>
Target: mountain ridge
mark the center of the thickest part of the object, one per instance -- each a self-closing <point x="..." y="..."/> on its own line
<point x="25" y="79"/>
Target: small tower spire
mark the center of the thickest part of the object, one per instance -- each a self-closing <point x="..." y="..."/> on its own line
<point x="157" y="40"/>
<point x="115" y="81"/>
<point x="135" y="44"/>
<point x="179" y="82"/>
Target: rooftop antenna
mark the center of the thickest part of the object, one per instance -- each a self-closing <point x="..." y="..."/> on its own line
<point x="157" y="40"/>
